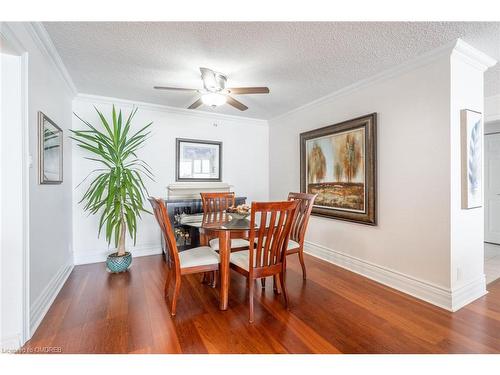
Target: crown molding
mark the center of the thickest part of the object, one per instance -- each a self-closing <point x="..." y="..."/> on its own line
<point x="9" y="35"/>
<point x="173" y="110"/>
<point x="458" y="46"/>
<point x="44" y="43"/>
<point x="414" y="63"/>
<point x="472" y="56"/>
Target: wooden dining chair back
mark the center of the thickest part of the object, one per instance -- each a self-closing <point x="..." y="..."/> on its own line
<point x="271" y="238"/>
<point x="299" y="226"/>
<point x="270" y="226"/>
<point x="213" y="202"/>
<point x="196" y="260"/>
<point x="161" y="215"/>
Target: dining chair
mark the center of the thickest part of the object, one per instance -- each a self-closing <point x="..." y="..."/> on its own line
<point x="299" y="226"/>
<point x="268" y="243"/>
<point x="196" y="260"/>
<point x="218" y="202"/>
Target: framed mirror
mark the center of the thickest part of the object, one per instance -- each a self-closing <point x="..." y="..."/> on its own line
<point x="50" y="148"/>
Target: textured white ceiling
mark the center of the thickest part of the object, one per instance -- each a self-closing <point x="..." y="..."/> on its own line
<point x="300" y="62"/>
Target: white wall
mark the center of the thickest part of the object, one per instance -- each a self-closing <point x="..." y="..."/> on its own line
<point x="410" y="248"/>
<point x="50" y="227"/>
<point x="413" y="112"/>
<point x="245" y="163"/>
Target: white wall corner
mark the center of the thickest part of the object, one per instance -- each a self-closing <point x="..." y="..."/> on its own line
<point x="467" y="293"/>
<point x="472" y="56"/>
<point x="46" y="46"/>
<point x="434" y="294"/>
<point x="492" y="108"/>
<point x="42" y="304"/>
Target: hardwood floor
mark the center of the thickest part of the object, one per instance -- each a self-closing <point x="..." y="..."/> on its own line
<point x="334" y="311"/>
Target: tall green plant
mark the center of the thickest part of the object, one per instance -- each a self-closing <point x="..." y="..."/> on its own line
<point x="117" y="189"/>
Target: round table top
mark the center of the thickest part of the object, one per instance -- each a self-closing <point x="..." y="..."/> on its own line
<point x="219" y="220"/>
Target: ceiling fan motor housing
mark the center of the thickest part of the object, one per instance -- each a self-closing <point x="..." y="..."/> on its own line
<point x="213" y="81"/>
<point x="214" y="91"/>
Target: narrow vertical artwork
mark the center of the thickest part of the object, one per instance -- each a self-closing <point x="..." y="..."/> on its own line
<point x="472" y="158"/>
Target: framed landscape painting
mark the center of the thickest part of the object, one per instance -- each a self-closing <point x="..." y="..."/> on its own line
<point x="338" y="162"/>
<point x="198" y="160"/>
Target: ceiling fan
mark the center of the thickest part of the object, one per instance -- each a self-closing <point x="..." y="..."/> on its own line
<point x="215" y="93"/>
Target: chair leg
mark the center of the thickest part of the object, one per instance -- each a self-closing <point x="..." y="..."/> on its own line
<point x="204" y="278"/>
<point x="276" y="285"/>
<point x="302" y="264"/>
<point x="177" y="288"/>
<point x="250" y="301"/>
<point x="263" y="282"/>
<point x="167" y="282"/>
<point x="213" y="276"/>
<point x="283" y="288"/>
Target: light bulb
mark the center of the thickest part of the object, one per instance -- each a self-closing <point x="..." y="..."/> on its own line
<point x="213" y="99"/>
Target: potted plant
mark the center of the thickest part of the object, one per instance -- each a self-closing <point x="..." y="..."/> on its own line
<point x="117" y="189"/>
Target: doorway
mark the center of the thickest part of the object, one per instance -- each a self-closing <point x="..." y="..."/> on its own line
<point x="14" y="254"/>
<point x="492" y="202"/>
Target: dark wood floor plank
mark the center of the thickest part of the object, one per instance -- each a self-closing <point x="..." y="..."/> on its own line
<point x="334" y="311"/>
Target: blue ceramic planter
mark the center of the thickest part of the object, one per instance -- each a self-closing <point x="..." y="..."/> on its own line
<point x="117" y="264"/>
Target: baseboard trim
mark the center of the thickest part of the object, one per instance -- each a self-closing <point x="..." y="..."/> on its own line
<point x="469" y="292"/>
<point x="434" y="294"/>
<point x="88" y="257"/>
<point x="47" y="297"/>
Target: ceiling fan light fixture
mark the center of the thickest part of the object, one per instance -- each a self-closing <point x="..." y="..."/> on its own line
<point x="213" y="99"/>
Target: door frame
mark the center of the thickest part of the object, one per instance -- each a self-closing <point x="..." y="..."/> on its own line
<point x="490" y="128"/>
<point x="8" y="35"/>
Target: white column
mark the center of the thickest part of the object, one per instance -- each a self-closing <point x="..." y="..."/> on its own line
<point x="467" y="67"/>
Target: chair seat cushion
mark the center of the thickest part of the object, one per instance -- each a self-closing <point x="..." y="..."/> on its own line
<point x="291" y="244"/>
<point x="235" y="242"/>
<point x="241" y="259"/>
<point x="199" y="256"/>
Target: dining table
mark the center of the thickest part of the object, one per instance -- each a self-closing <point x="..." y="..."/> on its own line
<point x="221" y="225"/>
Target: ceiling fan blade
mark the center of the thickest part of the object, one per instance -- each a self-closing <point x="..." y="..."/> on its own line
<point x="173" y="88"/>
<point x="196" y="104"/>
<point x="249" y="90"/>
<point x="236" y="104"/>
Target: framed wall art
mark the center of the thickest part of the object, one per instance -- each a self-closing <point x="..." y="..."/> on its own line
<point x="198" y="160"/>
<point x="472" y="158"/>
<point x="50" y="148"/>
<point x="338" y="162"/>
